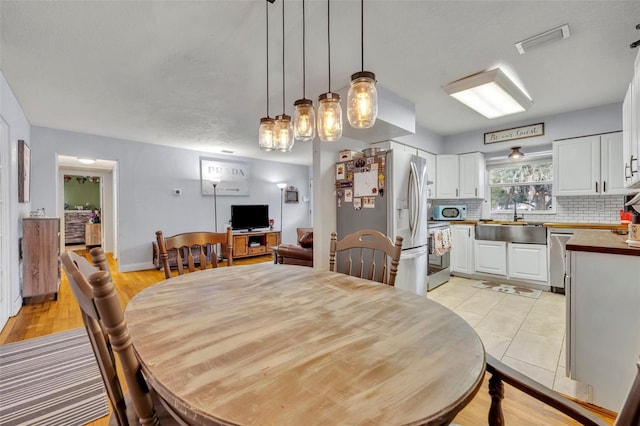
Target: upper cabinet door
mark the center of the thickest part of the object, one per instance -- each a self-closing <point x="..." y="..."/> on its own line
<point x="611" y="174"/>
<point x="447" y="176"/>
<point x="472" y="168"/>
<point x="576" y="166"/>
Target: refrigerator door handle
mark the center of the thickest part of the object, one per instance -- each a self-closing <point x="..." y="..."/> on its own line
<point x="414" y="200"/>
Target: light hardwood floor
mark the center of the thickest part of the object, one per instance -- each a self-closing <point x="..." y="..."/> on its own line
<point x="45" y="316"/>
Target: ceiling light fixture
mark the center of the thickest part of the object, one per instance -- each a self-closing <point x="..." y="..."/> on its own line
<point x="559" y="33"/>
<point x="329" y="110"/>
<point x="283" y="128"/>
<point x="304" y="117"/>
<point x="362" y="100"/>
<point x="491" y="93"/>
<point x="265" y="133"/>
<point x="86" y="160"/>
<point x="515" y="153"/>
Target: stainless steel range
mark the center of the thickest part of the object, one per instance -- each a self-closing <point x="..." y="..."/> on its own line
<point x="439" y="254"/>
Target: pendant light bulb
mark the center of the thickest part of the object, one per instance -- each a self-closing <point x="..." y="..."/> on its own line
<point x="304" y="120"/>
<point x="362" y="99"/>
<point x="283" y="129"/>
<point x="266" y="137"/>
<point x="329" y="112"/>
<point x="283" y="132"/>
<point x="329" y="117"/>
<point x="304" y="117"/>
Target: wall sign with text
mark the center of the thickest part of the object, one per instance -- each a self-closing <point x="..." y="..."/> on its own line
<point x="233" y="177"/>
<point x="523" y="132"/>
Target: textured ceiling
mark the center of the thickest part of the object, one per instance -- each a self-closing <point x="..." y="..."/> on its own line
<point x="192" y="73"/>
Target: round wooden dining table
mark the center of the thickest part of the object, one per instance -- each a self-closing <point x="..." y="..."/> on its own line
<point x="273" y="344"/>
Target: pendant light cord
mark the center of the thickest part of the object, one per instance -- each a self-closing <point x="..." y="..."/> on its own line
<point x="362" y="33"/>
<point x="304" y="57"/>
<point x="282" y="57"/>
<point x="266" y="14"/>
<point x="329" y="39"/>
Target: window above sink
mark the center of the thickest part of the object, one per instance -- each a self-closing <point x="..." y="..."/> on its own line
<point x="525" y="185"/>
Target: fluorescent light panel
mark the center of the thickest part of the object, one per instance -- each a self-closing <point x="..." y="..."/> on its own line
<point x="491" y="93"/>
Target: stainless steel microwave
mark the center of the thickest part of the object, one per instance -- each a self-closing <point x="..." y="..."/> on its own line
<point x="450" y="212"/>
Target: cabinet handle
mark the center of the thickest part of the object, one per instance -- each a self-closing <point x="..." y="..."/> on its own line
<point x="631" y="166"/>
<point x="476" y="192"/>
<point x="626" y="167"/>
<point x="469" y="232"/>
<point x="604" y="186"/>
<point x="456" y="192"/>
<point x="596" y="187"/>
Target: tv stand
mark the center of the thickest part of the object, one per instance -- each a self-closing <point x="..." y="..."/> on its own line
<point x="247" y="243"/>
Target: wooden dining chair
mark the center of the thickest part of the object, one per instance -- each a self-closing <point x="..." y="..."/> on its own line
<point x="203" y="244"/>
<point x="104" y="321"/>
<point x="366" y="254"/>
<point x="629" y="414"/>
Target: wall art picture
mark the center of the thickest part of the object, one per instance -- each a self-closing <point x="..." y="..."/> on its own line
<point x="24" y="172"/>
<point x="233" y="177"/>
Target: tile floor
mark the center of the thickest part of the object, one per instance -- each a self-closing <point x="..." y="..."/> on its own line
<point x="525" y="333"/>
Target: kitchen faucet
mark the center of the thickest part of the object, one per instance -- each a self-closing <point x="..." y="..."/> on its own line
<point x="515" y="209"/>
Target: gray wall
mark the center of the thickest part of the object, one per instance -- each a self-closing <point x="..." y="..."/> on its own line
<point x="147" y="175"/>
<point x="589" y="121"/>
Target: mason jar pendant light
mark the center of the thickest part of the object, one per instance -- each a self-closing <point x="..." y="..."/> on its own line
<point x="362" y="100"/>
<point x="329" y="109"/>
<point x="283" y="127"/>
<point x="304" y="117"/>
<point x="266" y="137"/>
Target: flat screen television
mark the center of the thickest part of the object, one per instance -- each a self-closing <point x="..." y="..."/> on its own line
<point x="249" y="217"/>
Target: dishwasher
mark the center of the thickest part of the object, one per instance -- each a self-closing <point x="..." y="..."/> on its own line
<point x="557" y="258"/>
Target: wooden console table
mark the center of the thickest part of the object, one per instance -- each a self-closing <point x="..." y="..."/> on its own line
<point x="74" y="226"/>
<point x="247" y="244"/>
<point x="93" y="234"/>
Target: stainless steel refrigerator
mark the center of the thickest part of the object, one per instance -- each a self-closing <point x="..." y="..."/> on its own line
<point x="387" y="191"/>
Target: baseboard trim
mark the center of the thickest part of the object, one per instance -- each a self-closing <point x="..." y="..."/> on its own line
<point x="136" y="267"/>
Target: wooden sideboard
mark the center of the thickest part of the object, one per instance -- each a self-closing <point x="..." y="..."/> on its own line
<point x="247" y="244"/>
<point x="40" y="254"/>
<point x="74" y="226"/>
<point x="93" y="234"/>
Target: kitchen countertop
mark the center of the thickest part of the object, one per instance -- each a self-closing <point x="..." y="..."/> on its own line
<point x="573" y="225"/>
<point x="601" y="242"/>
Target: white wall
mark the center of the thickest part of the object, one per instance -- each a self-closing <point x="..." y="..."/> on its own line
<point x="424" y="139"/>
<point x="18" y="126"/>
<point x="147" y="175"/>
<point x="589" y="121"/>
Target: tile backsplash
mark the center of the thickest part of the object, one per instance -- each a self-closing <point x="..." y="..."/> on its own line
<point x="596" y="209"/>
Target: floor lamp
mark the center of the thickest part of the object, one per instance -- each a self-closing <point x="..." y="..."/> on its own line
<point x="282" y="186"/>
<point x="215" y="183"/>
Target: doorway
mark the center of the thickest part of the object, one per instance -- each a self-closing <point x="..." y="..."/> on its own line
<point x="96" y="185"/>
<point x="5" y="291"/>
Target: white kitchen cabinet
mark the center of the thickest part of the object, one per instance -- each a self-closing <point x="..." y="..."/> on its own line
<point x="431" y="172"/>
<point x="528" y="262"/>
<point x="460" y="176"/>
<point x="603" y="324"/>
<point x="394" y="145"/>
<point x="588" y="165"/>
<point x="631" y="131"/>
<point x="447" y="176"/>
<point x="462" y="237"/>
<point x="491" y="257"/>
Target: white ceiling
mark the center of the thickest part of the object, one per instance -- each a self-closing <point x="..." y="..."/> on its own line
<point x="192" y="73"/>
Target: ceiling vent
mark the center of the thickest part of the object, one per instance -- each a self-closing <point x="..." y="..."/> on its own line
<point x="554" y="34"/>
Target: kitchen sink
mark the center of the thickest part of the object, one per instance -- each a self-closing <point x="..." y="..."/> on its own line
<point x="526" y="232"/>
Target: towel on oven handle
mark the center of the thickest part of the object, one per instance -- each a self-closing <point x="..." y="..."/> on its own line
<point x="440" y="241"/>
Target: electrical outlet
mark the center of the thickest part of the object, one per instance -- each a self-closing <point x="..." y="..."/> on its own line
<point x="177" y="191"/>
<point x="600" y="205"/>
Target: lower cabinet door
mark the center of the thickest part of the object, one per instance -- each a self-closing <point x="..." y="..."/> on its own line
<point x="528" y="261"/>
<point x="491" y="257"/>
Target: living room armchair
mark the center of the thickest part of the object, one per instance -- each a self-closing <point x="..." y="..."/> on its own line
<point x="300" y="253"/>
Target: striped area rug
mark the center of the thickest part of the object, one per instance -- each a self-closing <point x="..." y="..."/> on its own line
<point x="51" y="380"/>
